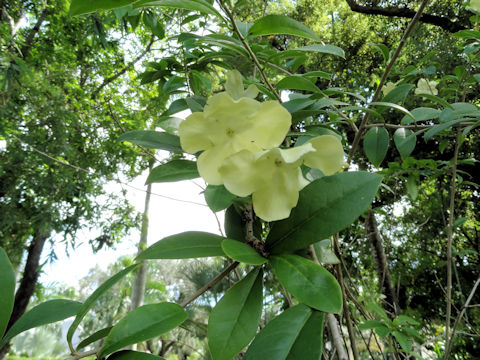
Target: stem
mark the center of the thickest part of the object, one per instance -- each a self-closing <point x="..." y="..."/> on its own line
<point x="336" y="337"/>
<point x="453" y="189"/>
<point x="83" y="354"/>
<point x="448" y="347"/>
<point x="211" y="284"/>
<point x="389" y="67"/>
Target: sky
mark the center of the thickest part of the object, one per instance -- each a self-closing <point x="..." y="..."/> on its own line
<point x="167" y="217"/>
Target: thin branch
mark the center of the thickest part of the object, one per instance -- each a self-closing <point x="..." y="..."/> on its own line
<point x="125" y="69"/>
<point x="31" y="35"/>
<point x="82" y="355"/>
<point x="451" y="215"/>
<point x="211" y="284"/>
<point x="336" y="337"/>
<point x="440" y="21"/>
<point x="389" y="67"/>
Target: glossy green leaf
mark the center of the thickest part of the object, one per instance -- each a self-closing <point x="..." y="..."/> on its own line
<point x="7" y="284"/>
<point x="218" y="198"/>
<point x="201" y="6"/>
<point x="375" y="145"/>
<point x="153" y="140"/>
<point x="404" y="319"/>
<point x="309" y="282"/>
<point x="100" y="334"/>
<point x="436" y="99"/>
<point x="370" y="324"/>
<point x="309" y="343"/>
<point x="398" y="94"/>
<point x="242" y="252"/>
<point x="405" y="141"/>
<point x="421" y="114"/>
<point x="87" y="305"/>
<point x="190" y="244"/>
<point x="440" y="127"/>
<point x="143" y="323"/>
<point x="285" y="335"/>
<point x="394" y="106"/>
<point x="382" y="331"/>
<point x="234" y="320"/>
<point x="78" y="7"/>
<point x="280" y="24"/>
<point x="133" y="355"/>
<point x="459" y="110"/>
<point x="45" y="313"/>
<point x="325" y="206"/>
<point x="174" y="170"/>
<point x="297" y="83"/>
<point x="412" y="188"/>
<point x="324" y="49"/>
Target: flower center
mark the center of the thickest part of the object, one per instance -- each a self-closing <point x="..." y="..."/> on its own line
<point x="229" y="132"/>
<point x="278" y="162"/>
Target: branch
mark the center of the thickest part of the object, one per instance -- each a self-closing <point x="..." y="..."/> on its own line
<point x="389" y="67"/>
<point x="440" y="21"/>
<point x="31" y="35"/>
<point x="211" y="284"/>
<point x="125" y="69"/>
<point x="82" y="355"/>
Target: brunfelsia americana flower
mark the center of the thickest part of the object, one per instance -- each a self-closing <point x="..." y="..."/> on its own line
<point x="474" y="5"/>
<point x="274" y="178"/>
<point x="426" y="87"/>
<point x="232" y="121"/>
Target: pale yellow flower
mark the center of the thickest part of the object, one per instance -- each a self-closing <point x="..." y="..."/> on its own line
<point x="232" y="121"/>
<point x="474" y="6"/>
<point x="426" y="87"/>
<point x="274" y="178"/>
<point x="389" y="86"/>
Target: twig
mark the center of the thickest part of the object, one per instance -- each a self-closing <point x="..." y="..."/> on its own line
<point x="448" y="347"/>
<point x="82" y="355"/>
<point x="336" y="338"/>
<point x="451" y="215"/>
<point x="389" y="67"/>
<point x="211" y="284"/>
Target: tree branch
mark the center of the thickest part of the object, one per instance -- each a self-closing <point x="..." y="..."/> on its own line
<point x="125" y="69"/>
<point x="31" y="35"/>
<point x="440" y="21"/>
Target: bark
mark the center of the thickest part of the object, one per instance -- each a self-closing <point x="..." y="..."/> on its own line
<point x="334" y="332"/>
<point x="445" y="23"/>
<point x="28" y="283"/>
<point x="138" y="286"/>
<point x="390" y="303"/>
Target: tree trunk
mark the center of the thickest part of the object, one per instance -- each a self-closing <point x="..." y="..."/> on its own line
<point x="390" y="303"/>
<point x="28" y="283"/>
<point x="138" y="286"/>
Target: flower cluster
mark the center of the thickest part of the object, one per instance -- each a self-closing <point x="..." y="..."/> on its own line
<point x="239" y="137"/>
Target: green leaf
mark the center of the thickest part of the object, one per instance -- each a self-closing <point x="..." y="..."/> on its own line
<point x="86" y="306"/>
<point x="325" y="49"/>
<point x="370" y="324"/>
<point x="394" y="106"/>
<point x="297" y="83"/>
<point x="440" y="127"/>
<point x="404" y="319"/>
<point x="45" y="313"/>
<point x="436" y="99"/>
<point x="382" y="331"/>
<point x="174" y="170"/>
<point x="279" y="24"/>
<point x="153" y="139"/>
<point x="133" y="355"/>
<point x="190" y="244"/>
<point x="100" y="334"/>
<point x="218" y="198"/>
<point x="143" y="323"/>
<point x="242" y="252"/>
<point x="421" y="114"/>
<point x="78" y="7"/>
<point x="398" y="94"/>
<point x="325" y="253"/>
<point x="325" y="207"/>
<point x="309" y="282"/>
<point x="375" y="145"/>
<point x="151" y="21"/>
<point x="201" y="6"/>
<point x="403" y="340"/>
<point x="7" y="284"/>
<point x="296" y="333"/>
<point x="458" y="110"/>
<point x="234" y="320"/>
<point x="405" y="141"/>
<point x="309" y="343"/>
<point x="412" y="188"/>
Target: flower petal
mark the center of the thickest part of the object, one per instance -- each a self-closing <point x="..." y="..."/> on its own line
<point x="210" y="160"/>
<point x="240" y="174"/>
<point x="275" y="200"/>
<point x="194" y="133"/>
<point x="328" y="156"/>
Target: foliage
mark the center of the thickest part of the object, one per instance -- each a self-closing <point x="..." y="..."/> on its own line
<point x="275" y="164"/>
